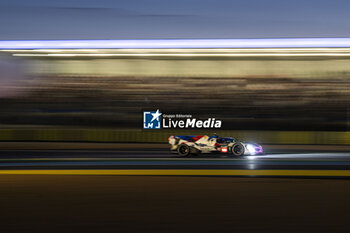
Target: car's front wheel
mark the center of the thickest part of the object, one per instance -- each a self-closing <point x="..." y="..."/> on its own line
<point x="183" y="150"/>
<point x="238" y="149"/>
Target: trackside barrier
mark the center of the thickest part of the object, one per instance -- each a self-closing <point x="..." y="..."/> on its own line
<point x="161" y="136"/>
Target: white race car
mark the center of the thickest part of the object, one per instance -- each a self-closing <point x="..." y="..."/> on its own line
<point x="196" y="144"/>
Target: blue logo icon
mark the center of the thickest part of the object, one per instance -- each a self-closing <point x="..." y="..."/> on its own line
<point x="151" y="120"/>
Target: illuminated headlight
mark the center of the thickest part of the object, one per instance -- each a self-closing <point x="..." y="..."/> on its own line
<point x="251" y="149"/>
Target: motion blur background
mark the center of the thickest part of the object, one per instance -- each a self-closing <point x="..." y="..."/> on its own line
<point x="272" y="95"/>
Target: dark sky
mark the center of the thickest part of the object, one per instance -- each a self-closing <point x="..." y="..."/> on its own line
<point x="146" y="19"/>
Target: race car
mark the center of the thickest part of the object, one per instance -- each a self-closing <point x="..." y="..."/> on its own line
<point x="196" y="144"/>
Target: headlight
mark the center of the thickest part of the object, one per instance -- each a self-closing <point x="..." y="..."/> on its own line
<point x="251" y="149"/>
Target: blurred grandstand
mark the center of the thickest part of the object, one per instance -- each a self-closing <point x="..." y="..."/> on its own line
<point x="288" y="88"/>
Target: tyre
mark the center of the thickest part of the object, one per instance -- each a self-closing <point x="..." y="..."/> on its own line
<point x="238" y="149"/>
<point x="184" y="150"/>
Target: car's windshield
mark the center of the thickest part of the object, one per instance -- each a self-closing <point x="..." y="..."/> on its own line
<point x="225" y="140"/>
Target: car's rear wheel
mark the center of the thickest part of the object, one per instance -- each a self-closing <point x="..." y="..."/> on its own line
<point x="184" y="150"/>
<point x="238" y="149"/>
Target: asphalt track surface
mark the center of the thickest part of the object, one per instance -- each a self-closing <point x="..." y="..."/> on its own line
<point x="159" y="161"/>
<point x="34" y="203"/>
<point x="150" y="190"/>
<point x="163" y="153"/>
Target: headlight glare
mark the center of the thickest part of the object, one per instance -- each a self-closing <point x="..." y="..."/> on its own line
<point x="251" y="149"/>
